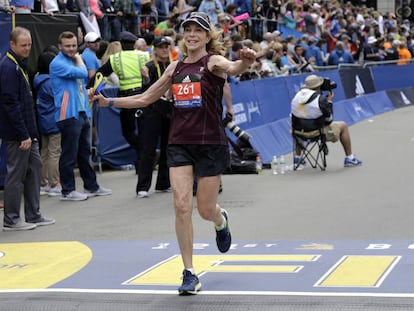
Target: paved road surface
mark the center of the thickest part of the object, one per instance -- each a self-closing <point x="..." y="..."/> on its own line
<point x="345" y="209"/>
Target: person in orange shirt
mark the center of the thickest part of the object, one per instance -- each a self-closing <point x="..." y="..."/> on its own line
<point x="403" y="52"/>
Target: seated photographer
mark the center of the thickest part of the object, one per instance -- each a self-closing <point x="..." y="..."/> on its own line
<point x="312" y="109"/>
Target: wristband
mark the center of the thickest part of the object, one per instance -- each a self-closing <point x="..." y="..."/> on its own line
<point x="111" y="102"/>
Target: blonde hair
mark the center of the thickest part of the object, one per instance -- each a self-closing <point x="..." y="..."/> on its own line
<point x="277" y="46"/>
<point x="214" y="46"/>
<point x="113" y="48"/>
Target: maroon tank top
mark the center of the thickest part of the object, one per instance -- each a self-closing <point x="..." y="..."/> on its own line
<point x="198" y="109"/>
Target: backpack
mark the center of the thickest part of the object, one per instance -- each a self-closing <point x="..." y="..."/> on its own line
<point x="242" y="158"/>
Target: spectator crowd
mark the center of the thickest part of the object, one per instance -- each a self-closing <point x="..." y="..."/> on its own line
<point x="317" y="33"/>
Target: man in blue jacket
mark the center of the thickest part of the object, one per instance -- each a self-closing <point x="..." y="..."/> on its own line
<point x="68" y="73"/>
<point x="340" y="56"/>
<point x="18" y="130"/>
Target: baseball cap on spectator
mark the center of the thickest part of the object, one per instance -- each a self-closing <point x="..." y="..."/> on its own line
<point x="92" y="37"/>
<point x="158" y="41"/>
<point x="396" y="42"/>
<point x="371" y="40"/>
<point x="127" y="36"/>
<point x="277" y="33"/>
<point x="312" y="40"/>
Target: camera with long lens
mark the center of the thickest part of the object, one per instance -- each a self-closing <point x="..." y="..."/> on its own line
<point x="328" y="85"/>
<point x="237" y="131"/>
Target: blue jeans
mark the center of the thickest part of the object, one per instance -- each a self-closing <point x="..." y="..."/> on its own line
<point x="76" y="147"/>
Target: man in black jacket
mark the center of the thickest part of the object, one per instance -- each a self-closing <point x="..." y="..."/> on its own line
<point x="19" y="131"/>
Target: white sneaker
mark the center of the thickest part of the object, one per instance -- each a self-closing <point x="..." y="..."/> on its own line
<point x="44" y="190"/>
<point x="74" y="196"/>
<point x="55" y="191"/>
<point x="100" y="192"/>
<point x="142" y="194"/>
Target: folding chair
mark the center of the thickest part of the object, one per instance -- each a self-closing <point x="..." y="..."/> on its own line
<point x="313" y="145"/>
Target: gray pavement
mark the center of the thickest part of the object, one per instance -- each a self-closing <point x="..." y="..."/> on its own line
<point x="370" y="203"/>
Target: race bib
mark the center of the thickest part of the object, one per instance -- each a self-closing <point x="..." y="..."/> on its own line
<point x="187" y="91"/>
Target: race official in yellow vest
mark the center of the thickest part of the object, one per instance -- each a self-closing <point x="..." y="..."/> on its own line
<point x="129" y="66"/>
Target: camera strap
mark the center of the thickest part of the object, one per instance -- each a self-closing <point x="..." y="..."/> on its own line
<point x="313" y="97"/>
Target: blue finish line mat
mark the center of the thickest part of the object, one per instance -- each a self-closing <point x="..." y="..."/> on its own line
<point x="348" y="268"/>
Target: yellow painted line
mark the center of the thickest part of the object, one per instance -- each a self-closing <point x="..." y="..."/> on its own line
<point x="40" y="265"/>
<point x="255" y="268"/>
<point x="316" y="246"/>
<point x="359" y="271"/>
<point x="169" y="271"/>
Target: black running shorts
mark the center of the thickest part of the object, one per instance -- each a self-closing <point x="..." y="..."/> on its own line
<point x="207" y="160"/>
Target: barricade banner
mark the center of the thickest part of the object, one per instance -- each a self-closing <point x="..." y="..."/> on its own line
<point x="383" y="75"/>
<point x="363" y="107"/>
<point x="5" y="29"/>
<point x="356" y="82"/>
<point x="352" y="110"/>
<point x="401" y="97"/>
<point x="246" y="108"/>
<point x="272" y="98"/>
<point x="272" y="139"/>
<point x="379" y="102"/>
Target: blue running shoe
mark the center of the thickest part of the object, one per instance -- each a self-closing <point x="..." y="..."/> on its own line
<point x="190" y="286"/>
<point x="352" y="162"/>
<point x="223" y="236"/>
